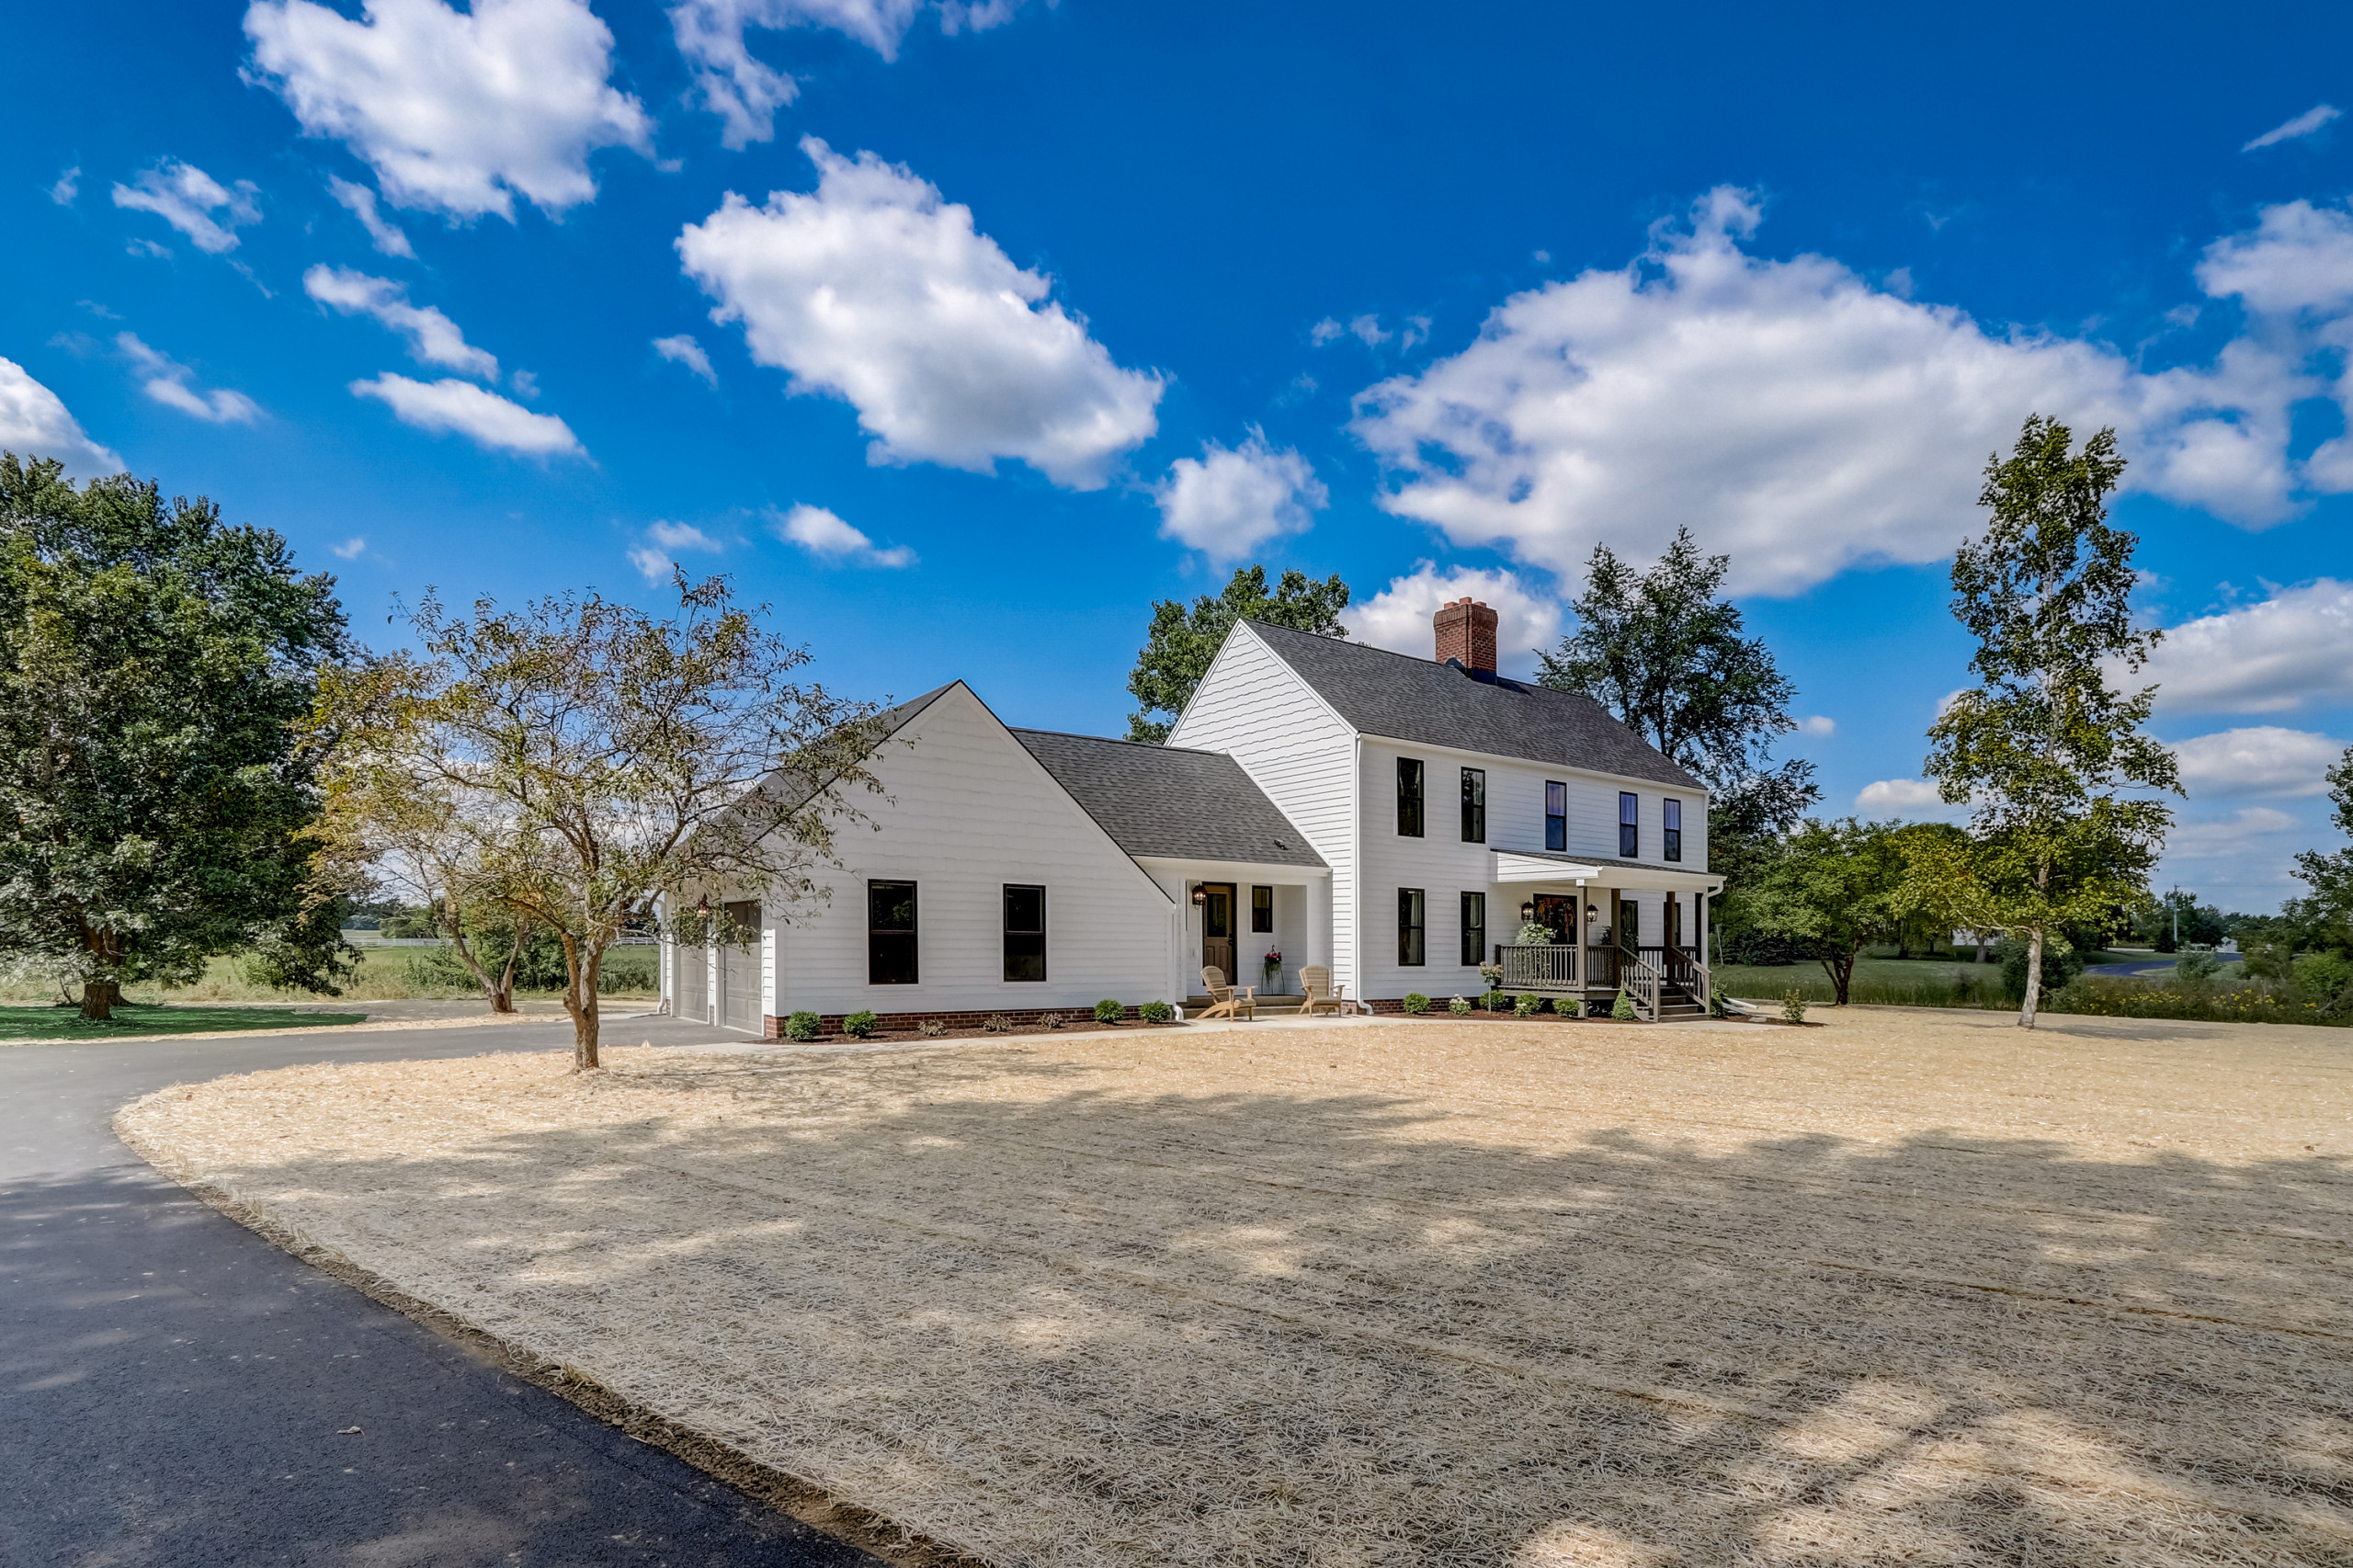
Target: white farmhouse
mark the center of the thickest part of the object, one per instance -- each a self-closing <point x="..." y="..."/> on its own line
<point x="1395" y="820"/>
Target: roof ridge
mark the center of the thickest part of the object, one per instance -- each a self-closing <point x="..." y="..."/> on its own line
<point x="1115" y="741"/>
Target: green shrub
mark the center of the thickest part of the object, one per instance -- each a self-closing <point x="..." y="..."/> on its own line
<point x="1110" y="1012"/>
<point x="542" y="968"/>
<point x="1416" y="1003"/>
<point x="2256" y="1002"/>
<point x="859" y="1025"/>
<point x="1460" y="1006"/>
<point x="2059" y="966"/>
<point x="801" y="1026"/>
<point x="2322" y="979"/>
<point x="1496" y="1002"/>
<point x="1528" y="1005"/>
<point x="1156" y="1012"/>
<point x="1623" y="1009"/>
<point x="1793" y="1004"/>
<point x="1717" y="1006"/>
<point x="2273" y="960"/>
<point x="2196" y="969"/>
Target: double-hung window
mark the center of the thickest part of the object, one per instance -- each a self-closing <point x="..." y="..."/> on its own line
<point x="1474" y="930"/>
<point x="1025" y="932"/>
<point x="1261" y="909"/>
<point x="1674" y="816"/>
<point x="1475" y="805"/>
<point x="1409" y="797"/>
<point x="1556" y="817"/>
<point x="890" y="933"/>
<point x="1411" y="912"/>
<point x="1629" y="826"/>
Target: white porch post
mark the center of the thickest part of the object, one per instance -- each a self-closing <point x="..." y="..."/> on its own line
<point x="1576" y="919"/>
<point x="1701" y="900"/>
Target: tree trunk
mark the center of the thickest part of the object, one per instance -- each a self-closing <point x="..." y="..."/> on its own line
<point x="1842" y="977"/>
<point x="582" y="961"/>
<point x="501" y="990"/>
<point x="99" y="997"/>
<point x="2033" y="977"/>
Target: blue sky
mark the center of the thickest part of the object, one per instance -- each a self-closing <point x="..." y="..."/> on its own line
<point x="960" y="333"/>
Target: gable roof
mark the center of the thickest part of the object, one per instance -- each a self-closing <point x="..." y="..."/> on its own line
<point x="1170" y="802"/>
<point x="1399" y="698"/>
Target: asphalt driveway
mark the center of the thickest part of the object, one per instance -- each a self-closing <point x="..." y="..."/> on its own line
<point x="175" y="1391"/>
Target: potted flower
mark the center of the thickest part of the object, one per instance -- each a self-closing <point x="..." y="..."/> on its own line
<point x="1274" y="962"/>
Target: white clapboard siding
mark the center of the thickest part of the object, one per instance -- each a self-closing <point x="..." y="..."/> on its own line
<point x="1254" y="707"/>
<point x="970" y="810"/>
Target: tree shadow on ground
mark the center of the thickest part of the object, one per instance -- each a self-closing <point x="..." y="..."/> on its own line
<point x="1057" y="1324"/>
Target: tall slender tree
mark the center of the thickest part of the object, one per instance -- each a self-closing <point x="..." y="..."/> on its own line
<point x="2050" y="759"/>
<point x="1182" y="642"/>
<point x="154" y="810"/>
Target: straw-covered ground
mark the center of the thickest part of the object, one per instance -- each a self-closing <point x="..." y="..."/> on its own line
<point x="1909" y="1289"/>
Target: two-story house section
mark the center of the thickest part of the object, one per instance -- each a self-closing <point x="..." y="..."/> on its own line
<point x="1454" y="806"/>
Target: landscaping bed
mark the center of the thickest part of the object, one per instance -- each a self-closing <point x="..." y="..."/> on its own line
<point x="1908" y="1287"/>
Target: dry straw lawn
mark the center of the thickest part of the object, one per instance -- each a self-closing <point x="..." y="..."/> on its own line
<point x="1910" y="1288"/>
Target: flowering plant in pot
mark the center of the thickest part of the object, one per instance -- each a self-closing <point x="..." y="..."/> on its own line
<point x="1274" y="962"/>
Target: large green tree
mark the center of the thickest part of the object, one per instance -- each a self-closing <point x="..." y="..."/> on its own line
<point x="1831" y="889"/>
<point x="2327" y="915"/>
<point x="2050" y="757"/>
<point x="1669" y="657"/>
<point x="582" y="758"/>
<point x="153" y="809"/>
<point x="1183" y="640"/>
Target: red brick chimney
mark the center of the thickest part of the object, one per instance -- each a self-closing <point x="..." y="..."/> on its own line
<point x="1466" y="633"/>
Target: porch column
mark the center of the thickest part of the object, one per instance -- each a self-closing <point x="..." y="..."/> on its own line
<point x="1700" y="900"/>
<point x="1576" y="919"/>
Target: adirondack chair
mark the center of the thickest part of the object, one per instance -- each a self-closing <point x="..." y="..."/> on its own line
<point x="1316" y="981"/>
<point x="1227" y="1001"/>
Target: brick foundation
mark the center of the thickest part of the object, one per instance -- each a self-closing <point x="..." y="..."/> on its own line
<point x="772" y="1026"/>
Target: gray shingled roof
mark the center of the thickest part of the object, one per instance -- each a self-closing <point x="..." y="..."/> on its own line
<point x="1170" y="800"/>
<point x="1401" y="697"/>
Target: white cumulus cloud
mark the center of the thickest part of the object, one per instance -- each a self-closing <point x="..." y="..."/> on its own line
<point x="352" y="547"/>
<point x="825" y="536"/>
<point x="1901" y="795"/>
<point x="2286" y="651"/>
<point x="2304" y="124"/>
<point x="433" y="338"/>
<point x="2232" y="835"/>
<point x="1799" y="418"/>
<point x="1817" y="725"/>
<point x="382" y="233"/>
<point x="187" y="198"/>
<point x="745" y="93"/>
<point x="487" y="418"/>
<point x="664" y="542"/>
<point x="1399" y="617"/>
<point x="458" y="112"/>
<point x="874" y="289"/>
<point x="167" y="384"/>
<point x="2263" y="759"/>
<point x="34" y="422"/>
<point x="684" y="350"/>
<point x="1232" y="500"/>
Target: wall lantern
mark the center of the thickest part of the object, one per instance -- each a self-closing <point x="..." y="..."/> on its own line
<point x="1200" y="894"/>
<point x="1528" y="913"/>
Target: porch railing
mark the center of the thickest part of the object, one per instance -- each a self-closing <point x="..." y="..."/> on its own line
<point x="1543" y="969"/>
<point x="1640" y="981"/>
<point x="1549" y="969"/>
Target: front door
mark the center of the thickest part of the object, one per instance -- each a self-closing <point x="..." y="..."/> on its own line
<point x="1217" y="929"/>
<point x="1553" y="912"/>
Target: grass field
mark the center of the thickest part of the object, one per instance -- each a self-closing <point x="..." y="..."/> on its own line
<point x="386" y="974"/>
<point x="1907" y="1289"/>
<point x="24" y="1023"/>
<point x="1908" y="982"/>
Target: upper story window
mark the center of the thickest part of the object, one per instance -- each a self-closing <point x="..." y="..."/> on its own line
<point x="1025" y="933"/>
<point x="1475" y="805"/>
<point x="890" y="933"/>
<point x="1556" y="817"/>
<point x="1409" y="797"/>
<point x="1629" y="826"/>
<point x="1674" y="829"/>
<point x="1261" y="909"/>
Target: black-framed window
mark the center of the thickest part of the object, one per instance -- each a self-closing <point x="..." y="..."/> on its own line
<point x="1475" y="805"/>
<point x="1412" y="910"/>
<point x="1025" y="932"/>
<point x="890" y="933"/>
<point x="1409" y="797"/>
<point x="1556" y="817"/>
<point x="1474" y="930"/>
<point x="1261" y="909"/>
<point x="1629" y="826"/>
<point x="1674" y="828"/>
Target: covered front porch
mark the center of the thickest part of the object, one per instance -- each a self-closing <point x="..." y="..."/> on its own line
<point x="1229" y="915"/>
<point x="1615" y="925"/>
